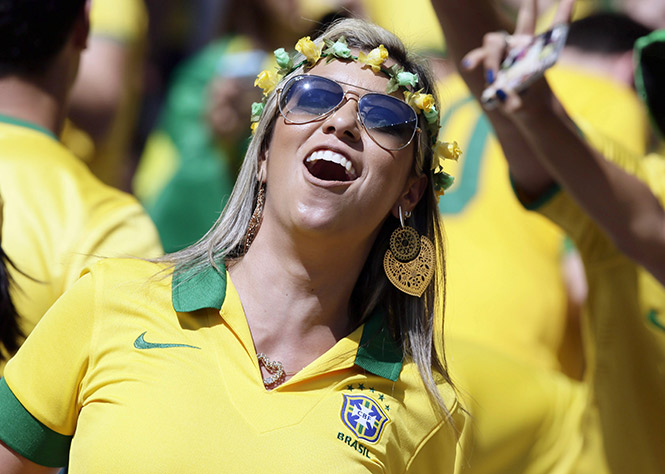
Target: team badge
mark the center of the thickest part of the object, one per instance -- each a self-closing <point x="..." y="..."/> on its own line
<point x="364" y="417"/>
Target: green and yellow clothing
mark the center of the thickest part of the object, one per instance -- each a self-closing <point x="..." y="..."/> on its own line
<point x="157" y="373"/>
<point x="505" y="286"/>
<point x="625" y="325"/>
<point x="58" y="218"/>
<point x="506" y="302"/>
<point x="186" y="174"/>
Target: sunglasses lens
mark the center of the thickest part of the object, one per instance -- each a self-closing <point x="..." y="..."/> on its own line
<point x="305" y="98"/>
<point x="389" y="121"/>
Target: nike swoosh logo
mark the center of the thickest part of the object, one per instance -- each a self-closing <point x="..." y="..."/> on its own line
<point x="141" y="343"/>
<point x="653" y="317"/>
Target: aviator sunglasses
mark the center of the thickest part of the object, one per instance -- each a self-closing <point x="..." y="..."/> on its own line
<point x="391" y="123"/>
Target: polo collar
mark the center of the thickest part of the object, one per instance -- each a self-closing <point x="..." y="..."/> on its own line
<point x="193" y="289"/>
<point x="26" y="124"/>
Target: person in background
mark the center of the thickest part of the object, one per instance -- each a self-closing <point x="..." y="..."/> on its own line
<point x="58" y="218"/>
<point x="105" y="98"/>
<point x="608" y="201"/>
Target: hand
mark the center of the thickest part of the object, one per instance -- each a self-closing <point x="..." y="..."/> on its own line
<point x="513" y="62"/>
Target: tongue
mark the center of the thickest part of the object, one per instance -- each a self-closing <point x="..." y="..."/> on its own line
<point x="327" y="170"/>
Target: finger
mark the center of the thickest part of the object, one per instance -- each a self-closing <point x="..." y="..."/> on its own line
<point x="511" y="102"/>
<point x="527" y="18"/>
<point x="473" y="58"/>
<point x="495" y="46"/>
<point x="564" y="13"/>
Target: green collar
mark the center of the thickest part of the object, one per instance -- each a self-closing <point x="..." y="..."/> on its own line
<point x="378" y="352"/>
<point x="25" y="123"/>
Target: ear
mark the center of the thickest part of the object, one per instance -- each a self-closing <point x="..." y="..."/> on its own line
<point x="82" y="27"/>
<point x="413" y="191"/>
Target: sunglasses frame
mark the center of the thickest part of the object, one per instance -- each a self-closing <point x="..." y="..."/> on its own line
<point x="416" y="130"/>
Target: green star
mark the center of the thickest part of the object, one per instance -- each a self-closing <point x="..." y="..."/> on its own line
<point x="387" y="407"/>
<point x="349" y="388"/>
<point x="381" y="397"/>
<point x="361" y="386"/>
<point x="371" y="389"/>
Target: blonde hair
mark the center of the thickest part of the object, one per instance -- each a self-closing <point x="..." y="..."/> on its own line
<point x="413" y="321"/>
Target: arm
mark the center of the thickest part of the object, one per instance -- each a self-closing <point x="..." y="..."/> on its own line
<point x="536" y="125"/>
<point x="13" y="463"/>
<point x="618" y="201"/>
<point x="465" y="24"/>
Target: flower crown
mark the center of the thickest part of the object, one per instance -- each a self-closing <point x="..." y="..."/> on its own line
<point x="339" y="49"/>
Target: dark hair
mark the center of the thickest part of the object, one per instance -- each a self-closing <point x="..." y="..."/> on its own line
<point x="605" y="33"/>
<point x="10" y="332"/>
<point x="32" y="32"/>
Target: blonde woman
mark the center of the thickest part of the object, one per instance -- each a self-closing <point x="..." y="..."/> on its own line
<point x="295" y="337"/>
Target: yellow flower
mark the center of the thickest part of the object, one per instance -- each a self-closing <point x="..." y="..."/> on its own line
<point x="424" y="102"/>
<point x="311" y="51"/>
<point x="375" y="58"/>
<point x="267" y="80"/>
<point x="445" y="151"/>
<point x="254" y="126"/>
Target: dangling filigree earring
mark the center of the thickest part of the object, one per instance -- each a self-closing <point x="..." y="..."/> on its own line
<point x="409" y="262"/>
<point x="257" y="217"/>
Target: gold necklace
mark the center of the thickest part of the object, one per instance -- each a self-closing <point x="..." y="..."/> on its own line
<point x="274" y="368"/>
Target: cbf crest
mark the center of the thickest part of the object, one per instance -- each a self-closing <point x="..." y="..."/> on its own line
<point x="364" y="417"/>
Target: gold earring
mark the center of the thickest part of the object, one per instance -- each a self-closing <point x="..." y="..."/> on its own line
<point x="409" y="261"/>
<point x="257" y="217"/>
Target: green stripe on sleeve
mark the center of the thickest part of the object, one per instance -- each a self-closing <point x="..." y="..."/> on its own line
<point x="26" y="435"/>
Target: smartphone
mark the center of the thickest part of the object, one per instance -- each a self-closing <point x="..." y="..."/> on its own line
<point x="525" y="65"/>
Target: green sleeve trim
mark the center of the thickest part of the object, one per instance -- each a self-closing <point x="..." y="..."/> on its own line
<point x="26" y="435"/>
<point x="540" y="201"/>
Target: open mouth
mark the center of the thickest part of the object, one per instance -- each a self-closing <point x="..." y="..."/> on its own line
<point x="327" y="165"/>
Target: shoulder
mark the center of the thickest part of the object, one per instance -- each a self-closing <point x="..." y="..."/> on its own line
<point x="433" y="435"/>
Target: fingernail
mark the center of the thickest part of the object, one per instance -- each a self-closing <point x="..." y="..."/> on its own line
<point x="490" y="76"/>
<point x="501" y="95"/>
<point x="466" y="64"/>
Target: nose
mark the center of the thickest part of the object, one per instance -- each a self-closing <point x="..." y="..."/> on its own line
<point x="344" y="122"/>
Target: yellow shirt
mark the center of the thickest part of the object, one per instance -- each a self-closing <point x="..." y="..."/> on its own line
<point x="505" y="287"/>
<point x="155" y="376"/>
<point x="58" y="218"/>
<point x="625" y="328"/>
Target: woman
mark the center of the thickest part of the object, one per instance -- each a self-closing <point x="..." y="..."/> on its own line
<point x="303" y="356"/>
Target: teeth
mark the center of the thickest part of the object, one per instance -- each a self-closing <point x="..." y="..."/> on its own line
<point x="329" y="155"/>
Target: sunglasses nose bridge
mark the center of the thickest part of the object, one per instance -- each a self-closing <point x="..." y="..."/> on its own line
<point x="340" y="118"/>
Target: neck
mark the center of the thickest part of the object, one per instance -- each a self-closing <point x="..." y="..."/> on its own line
<point x="297" y="289"/>
<point x="29" y="101"/>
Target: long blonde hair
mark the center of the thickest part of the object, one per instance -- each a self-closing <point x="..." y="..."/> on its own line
<point x="416" y="323"/>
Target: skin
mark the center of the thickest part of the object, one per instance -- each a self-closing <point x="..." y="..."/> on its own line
<point x="296" y="280"/>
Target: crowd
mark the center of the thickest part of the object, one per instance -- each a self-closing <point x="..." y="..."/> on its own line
<point x="305" y="236"/>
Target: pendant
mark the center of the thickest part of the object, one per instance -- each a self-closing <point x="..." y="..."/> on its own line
<point x="275" y="369"/>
